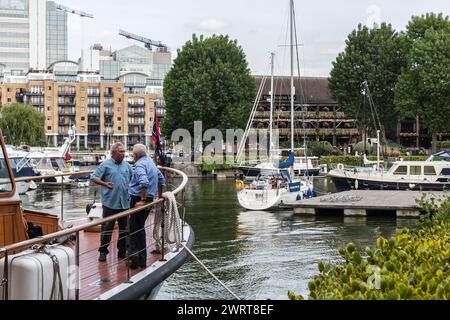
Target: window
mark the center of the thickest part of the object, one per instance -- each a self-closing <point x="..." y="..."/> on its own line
<point x="119" y="119"/>
<point x="49" y="118"/>
<point x="83" y="118"/>
<point x="48" y="108"/>
<point x="429" y="171"/>
<point x="415" y="170"/>
<point x="8" y="90"/>
<point x="9" y="99"/>
<point x="402" y="170"/>
<point x="49" y="88"/>
<point x="119" y="128"/>
<point x="49" y="128"/>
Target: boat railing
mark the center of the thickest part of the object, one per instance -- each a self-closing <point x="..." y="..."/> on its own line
<point x="74" y="233"/>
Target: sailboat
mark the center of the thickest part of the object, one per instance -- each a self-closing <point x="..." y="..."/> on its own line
<point x="275" y="185"/>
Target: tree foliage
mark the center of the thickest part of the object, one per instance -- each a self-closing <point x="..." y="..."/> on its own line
<point x="209" y="82"/>
<point x="374" y="55"/>
<point x="412" y="265"/>
<point x="22" y="124"/>
<point x="423" y="88"/>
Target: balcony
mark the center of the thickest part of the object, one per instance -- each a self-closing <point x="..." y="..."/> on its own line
<point x="67" y="113"/>
<point x="67" y="94"/>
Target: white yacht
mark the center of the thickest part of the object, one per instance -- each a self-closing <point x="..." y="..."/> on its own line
<point x="403" y="175"/>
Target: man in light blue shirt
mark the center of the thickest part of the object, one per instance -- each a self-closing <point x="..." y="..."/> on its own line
<point x="146" y="183"/>
<point x="114" y="176"/>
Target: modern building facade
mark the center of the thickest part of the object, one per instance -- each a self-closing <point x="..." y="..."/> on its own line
<point x="102" y="112"/>
<point x="134" y="59"/>
<point x="33" y="35"/>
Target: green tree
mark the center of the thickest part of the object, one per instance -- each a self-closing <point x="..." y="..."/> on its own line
<point x="374" y="55"/>
<point x="423" y="88"/>
<point x="22" y="124"/>
<point x="210" y="82"/>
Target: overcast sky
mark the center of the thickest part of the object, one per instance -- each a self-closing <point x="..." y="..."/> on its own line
<point x="259" y="26"/>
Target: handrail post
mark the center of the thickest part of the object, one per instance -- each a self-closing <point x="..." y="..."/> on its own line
<point x="163" y="242"/>
<point x="128" y="250"/>
<point x="77" y="264"/>
<point x="183" y="206"/>
<point x="5" y="280"/>
<point x="62" y="199"/>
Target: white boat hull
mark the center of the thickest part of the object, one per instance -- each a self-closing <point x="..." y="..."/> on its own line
<point x="263" y="200"/>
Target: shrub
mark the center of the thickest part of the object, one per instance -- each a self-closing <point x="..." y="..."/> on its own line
<point x="359" y="147"/>
<point x="413" y="265"/>
<point x="319" y="149"/>
<point x="443" y="145"/>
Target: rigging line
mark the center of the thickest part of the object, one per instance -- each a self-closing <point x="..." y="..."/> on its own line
<point x="206" y="268"/>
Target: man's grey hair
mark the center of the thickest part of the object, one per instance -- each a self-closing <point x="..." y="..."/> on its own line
<point x="140" y="150"/>
<point x="116" y="146"/>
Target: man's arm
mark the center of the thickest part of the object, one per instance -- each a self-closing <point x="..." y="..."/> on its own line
<point x="98" y="176"/>
<point x="161" y="184"/>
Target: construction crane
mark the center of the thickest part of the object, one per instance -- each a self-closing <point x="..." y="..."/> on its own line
<point x="147" y="42"/>
<point x="73" y="11"/>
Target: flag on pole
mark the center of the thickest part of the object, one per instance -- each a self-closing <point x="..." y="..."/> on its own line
<point x="156" y="138"/>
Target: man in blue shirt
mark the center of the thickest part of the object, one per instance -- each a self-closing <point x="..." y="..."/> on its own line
<point x="146" y="184"/>
<point x="114" y="176"/>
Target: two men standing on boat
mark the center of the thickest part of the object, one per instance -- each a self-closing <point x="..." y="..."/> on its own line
<point x="124" y="188"/>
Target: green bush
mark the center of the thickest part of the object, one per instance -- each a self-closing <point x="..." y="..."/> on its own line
<point x="205" y="167"/>
<point x="413" y="265"/>
<point x="319" y="149"/>
<point x="351" y="161"/>
<point x="415" y="158"/>
<point x="359" y="147"/>
<point x="443" y="144"/>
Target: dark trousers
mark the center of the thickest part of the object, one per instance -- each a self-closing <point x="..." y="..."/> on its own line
<point x="108" y="228"/>
<point x="138" y="238"/>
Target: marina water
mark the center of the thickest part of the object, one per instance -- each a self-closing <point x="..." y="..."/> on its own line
<point x="258" y="255"/>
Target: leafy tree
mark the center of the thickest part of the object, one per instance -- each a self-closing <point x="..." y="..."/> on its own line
<point x="22" y="124"/>
<point x="209" y="82"/>
<point x="423" y="88"/>
<point x="374" y="55"/>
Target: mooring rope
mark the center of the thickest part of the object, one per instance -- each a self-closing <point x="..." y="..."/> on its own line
<point x="212" y="274"/>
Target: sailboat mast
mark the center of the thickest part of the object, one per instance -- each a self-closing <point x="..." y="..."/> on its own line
<point x="292" y="75"/>
<point x="272" y="56"/>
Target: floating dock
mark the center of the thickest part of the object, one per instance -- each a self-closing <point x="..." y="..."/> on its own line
<point x="361" y="203"/>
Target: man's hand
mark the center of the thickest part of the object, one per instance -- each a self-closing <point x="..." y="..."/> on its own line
<point x="140" y="204"/>
<point x="109" y="185"/>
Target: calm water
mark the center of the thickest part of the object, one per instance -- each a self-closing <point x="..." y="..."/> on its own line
<point x="259" y="255"/>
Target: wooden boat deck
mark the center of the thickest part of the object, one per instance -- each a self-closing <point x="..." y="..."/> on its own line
<point x="97" y="278"/>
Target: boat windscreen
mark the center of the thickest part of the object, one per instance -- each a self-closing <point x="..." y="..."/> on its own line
<point x="6" y="185"/>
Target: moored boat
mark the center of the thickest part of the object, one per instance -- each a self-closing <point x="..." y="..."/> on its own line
<point x="62" y="264"/>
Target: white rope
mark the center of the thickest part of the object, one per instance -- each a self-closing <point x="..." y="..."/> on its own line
<point x="207" y="270"/>
<point x="172" y="223"/>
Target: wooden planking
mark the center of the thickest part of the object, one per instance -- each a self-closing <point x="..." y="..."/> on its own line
<point x="92" y="271"/>
<point x="49" y="223"/>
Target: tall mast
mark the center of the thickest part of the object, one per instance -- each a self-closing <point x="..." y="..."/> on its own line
<point x="292" y="75"/>
<point x="272" y="56"/>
